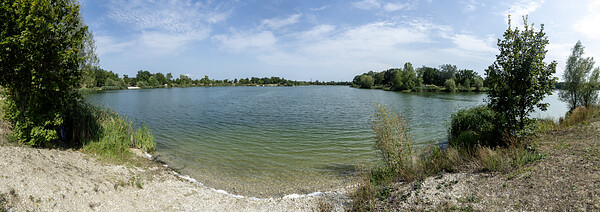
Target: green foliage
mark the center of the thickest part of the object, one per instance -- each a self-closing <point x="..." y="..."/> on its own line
<point x="393" y="141"/>
<point x="40" y="74"/>
<point x="478" y="84"/>
<point x="519" y="78"/>
<point x="106" y="134"/>
<point x="363" y="81"/>
<point x="113" y="137"/>
<point x="144" y="139"/>
<point x="580" y="85"/>
<point x="472" y="127"/>
<point x="450" y="85"/>
<point x="152" y="81"/>
<point x="429" y="75"/>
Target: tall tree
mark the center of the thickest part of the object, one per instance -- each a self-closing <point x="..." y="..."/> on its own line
<point x="42" y="51"/>
<point x="576" y="91"/>
<point x="519" y="79"/>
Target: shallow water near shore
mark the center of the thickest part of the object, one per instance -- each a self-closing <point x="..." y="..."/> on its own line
<point x="275" y="141"/>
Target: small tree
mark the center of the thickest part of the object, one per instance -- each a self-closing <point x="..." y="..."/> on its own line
<point x="577" y="90"/>
<point x="519" y="79"/>
<point x="450" y="85"/>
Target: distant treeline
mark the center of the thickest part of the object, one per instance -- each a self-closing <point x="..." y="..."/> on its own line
<point x="447" y="77"/>
<point x="96" y="77"/>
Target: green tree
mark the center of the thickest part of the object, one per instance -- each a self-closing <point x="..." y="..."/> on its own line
<point x="143" y="76"/>
<point x="589" y="92"/>
<point x="366" y="81"/>
<point x="576" y="90"/>
<point x="169" y="78"/>
<point x="450" y="85"/>
<point x="152" y="81"/>
<point x="409" y="77"/>
<point x="478" y="83"/>
<point x="519" y="79"/>
<point x="447" y="71"/>
<point x="42" y="51"/>
<point x="430" y="75"/>
<point x="160" y="78"/>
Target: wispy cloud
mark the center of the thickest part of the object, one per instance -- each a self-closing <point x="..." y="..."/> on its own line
<point x="386" y="6"/>
<point x="471" y="5"/>
<point x="319" y="8"/>
<point x="162" y="26"/>
<point x="367" y="4"/>
<point x="247" y="42"/>
<point x="275" y="23"/>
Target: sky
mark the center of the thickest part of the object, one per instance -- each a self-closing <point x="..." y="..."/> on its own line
<point x="324" y="40"/>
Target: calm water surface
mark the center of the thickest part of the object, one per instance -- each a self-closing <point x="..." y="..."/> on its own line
<point x="273" y="141"/>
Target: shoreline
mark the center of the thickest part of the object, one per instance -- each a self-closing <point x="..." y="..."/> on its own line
<point x="340" y="190"/>
<point x="46" y="179"/>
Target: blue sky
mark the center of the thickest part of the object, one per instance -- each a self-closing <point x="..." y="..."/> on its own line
<point x="323" y="40"/>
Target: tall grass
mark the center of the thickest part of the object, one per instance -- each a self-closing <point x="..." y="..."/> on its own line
<point x="580" y="114"/>
<point x="104" y="133"/>
<point x="144" y="139"/>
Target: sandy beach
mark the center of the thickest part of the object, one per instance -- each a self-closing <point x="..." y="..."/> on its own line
<point x="64" y="180"/>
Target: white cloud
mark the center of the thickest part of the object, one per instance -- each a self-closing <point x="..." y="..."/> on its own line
<point x="107" y="44"/>
<point x="316" y="33"/>
<point x="367" y="4"/>
<point x="247" y="42"/>
<point x="160" y="27"/>
<point x="386" y="6"/>
<point x="391" y="7"/>
<point x="589" y="24"/>
<point x="471" y="5"/>
<point x="275" y="23"/>
<point x="319" y="8"/>
<point x="471" y="43"/>
<point x="520" y="9"/>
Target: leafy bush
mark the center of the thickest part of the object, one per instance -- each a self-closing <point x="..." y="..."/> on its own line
<point x="472" y="127"/>
<point x="392" y="140"/>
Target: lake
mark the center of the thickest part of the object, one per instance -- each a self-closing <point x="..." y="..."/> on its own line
<point x="274" y="141"/>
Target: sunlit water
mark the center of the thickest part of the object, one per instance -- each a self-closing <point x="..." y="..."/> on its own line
<point x="273" y="141"/>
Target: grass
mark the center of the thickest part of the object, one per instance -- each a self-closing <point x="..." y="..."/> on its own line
<point x="580" y="115"/>
<point x="103" y="133"/>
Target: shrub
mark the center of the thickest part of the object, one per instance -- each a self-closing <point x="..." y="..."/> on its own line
<point x="472" y="127"/>
<point x="392" y="140"/>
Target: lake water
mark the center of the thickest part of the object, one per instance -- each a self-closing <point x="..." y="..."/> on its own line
<point x="274" y="141"/>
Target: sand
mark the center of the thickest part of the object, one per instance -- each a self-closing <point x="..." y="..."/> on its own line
<point x="64" y="180"/>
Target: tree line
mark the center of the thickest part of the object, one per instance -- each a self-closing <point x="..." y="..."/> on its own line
<point x="446" y="77"/>
<point x="95" y="76"/>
